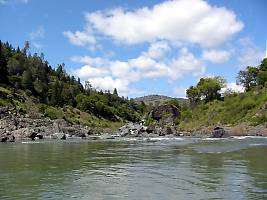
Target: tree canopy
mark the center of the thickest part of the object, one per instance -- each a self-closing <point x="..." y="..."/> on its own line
<point x="207" y="89"/>
<point x="53" y="86"/>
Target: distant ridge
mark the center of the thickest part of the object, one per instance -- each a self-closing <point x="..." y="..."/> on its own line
<point x="156" y="99"/>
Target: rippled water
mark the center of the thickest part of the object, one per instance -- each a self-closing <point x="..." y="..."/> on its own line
<point x="135" y="169"/>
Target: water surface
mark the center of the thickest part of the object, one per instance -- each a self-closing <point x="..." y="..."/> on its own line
<point x="159" y="169"/>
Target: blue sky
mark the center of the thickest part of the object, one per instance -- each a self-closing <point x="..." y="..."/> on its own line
<point x="141" y="47"/>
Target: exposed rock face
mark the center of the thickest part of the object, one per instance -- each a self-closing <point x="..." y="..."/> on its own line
<point x="165" y="114"/>
<point x="13" y="125"/>
<point x="139" y="130"/>
<point x="219" y="132"/>
<point x="131" y="129"/>
<point x="7" y="138"/>
<point x="61" y="136"/>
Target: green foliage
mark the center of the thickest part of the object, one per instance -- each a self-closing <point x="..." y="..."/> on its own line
<point x="3" y="66"/>
<point x="248" y="77"/>
<point x="207" y="88"/>
<point x="193" y="94"/>
<point x="173" y="102"/>
<point x="56" y="89"/>
<point x="253" y="76"/>
<point x="235" y="108"/>
<point x="53" y="113"/>
<point x="27" y="82"/>
<point x="150" y="121"/>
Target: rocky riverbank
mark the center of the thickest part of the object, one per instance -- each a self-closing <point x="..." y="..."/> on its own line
<point x="14" y="126"/>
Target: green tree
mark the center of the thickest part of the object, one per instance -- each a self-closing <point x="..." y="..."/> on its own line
<point x="193" y="94"/>
<point x="262" y="74"/>
<point x="210" y="88"/>
<point x="3" y="66"/>
<point x="60" y="71"/>
<point x="56" y="98"/>
<point x="248" y="78"/>
<point x="115" y="92"/>
<point x="13" y="66"/>
<point x="173" y="102"/>
<point x="26" y="47"/>
<point x="27" y="81"/>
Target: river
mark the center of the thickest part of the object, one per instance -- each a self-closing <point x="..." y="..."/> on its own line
<point x="158" y="169"/>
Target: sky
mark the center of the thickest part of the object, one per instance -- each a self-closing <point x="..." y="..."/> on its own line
<point x="141" y="47"/>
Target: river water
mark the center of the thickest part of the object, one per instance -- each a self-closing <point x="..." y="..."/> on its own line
<point x="159" y="169"/>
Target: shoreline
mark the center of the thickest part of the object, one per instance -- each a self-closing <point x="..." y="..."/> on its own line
<point x="14" y="126"/>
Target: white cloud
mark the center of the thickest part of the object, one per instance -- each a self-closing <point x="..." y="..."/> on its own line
<point x="88" y="71"/>
<point x="233" y="87"/>
<point x="107" y="74"/>
<point x="193" y="21"/>
<point x="251" y="55"/>
<point x="6" y="2"/>
<point x="38" y="33"/>
<point x="158" y="49"/>
<point x="80" y="38"/>
<point x="186" y="63"/>
<point x="97" y="61"/>
<point x="109" y="83"/>
<point x="216" y="56"/>
<point x="36" y="45"/>
<point x="3" y="2"/>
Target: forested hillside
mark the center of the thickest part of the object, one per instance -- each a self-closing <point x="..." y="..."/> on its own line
<point x="36" y="89"/>
<point x="29" y="83"/>
<point x="210" y="107"/>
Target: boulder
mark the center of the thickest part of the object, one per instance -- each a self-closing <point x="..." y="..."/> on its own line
<point x="169" y="130"/>
<point x="219" y="132"/>
<point x="165" y="114"/>
<point x="61" y="136"/>
<point x="151" y="129"/>
<point x="39" y="136"/>
<point x="3" y="139"/>
<point x="131" y="129"/>
<point x="7" y="138"/>
<point x="11" y="138"/>
<point x="33" y="135"/>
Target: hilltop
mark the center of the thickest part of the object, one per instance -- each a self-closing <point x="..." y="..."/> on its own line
<point x="36" y="98"/>
<point x="30" y="88"/>
<point x="157" y="99"/>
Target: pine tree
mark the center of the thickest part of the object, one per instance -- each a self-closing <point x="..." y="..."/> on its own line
<point x="3" y="67"/>
<point x="115" y="92"/>
<point x="27" y="82"/>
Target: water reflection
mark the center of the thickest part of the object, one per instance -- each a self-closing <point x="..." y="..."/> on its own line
<point x="167" y="169"/>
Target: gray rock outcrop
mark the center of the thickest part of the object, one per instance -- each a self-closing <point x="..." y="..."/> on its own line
<point x="219" y="132"/>
<point x="13" y="125"/>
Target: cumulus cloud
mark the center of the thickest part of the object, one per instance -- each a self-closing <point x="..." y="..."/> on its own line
<point x="193" y="21"/>
<point x="38" y="33"/>
<point x="107" y="74"/>
<point x="80" y="38"/>
<point x="186" y="63"/>
<point x="158" y="49"/>
<point x="167" y="27"/>
<point x="96" y="61"/>
<point x="233" y="87"/>
<point x="216" y="56"/>
<point x="251" y="54"/>
<point x="88" y="71"/>
<point x="109" y="83"/>
<point x="3" y="2"/>
<point x="6" y="2"/>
